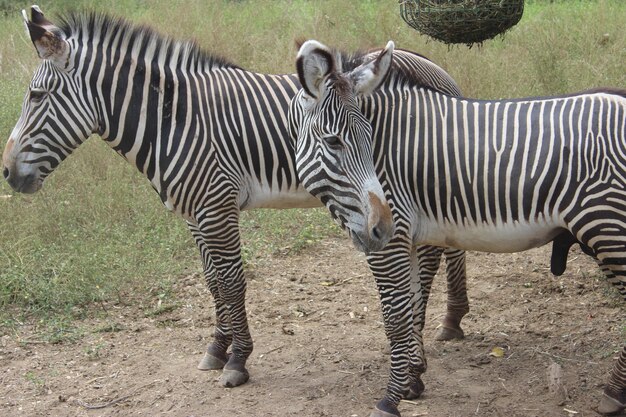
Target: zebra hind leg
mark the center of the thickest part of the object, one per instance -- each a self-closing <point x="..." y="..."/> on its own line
<point x="611" y="256"/>
<point x="614" y="396"/>
<point x="458" y="304"/>
<point x="216" y="354"/>
<point x="428" y="259"/>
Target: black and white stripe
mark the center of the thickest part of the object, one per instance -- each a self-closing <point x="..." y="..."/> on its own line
<point x="497" y="176"/>
<point x="211" y="137"/>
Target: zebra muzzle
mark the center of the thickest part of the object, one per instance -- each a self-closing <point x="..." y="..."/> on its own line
<point x="379" y="223"/>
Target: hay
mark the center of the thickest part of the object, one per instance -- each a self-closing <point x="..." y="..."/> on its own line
<point x="462" y="21"/>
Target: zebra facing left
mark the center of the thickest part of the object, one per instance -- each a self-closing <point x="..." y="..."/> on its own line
<point x="212" y="139"/>
<point x="495" y="176"/>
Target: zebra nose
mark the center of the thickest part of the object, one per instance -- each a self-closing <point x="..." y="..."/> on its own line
<point x="381" y="232"/>
<point x="380" y="223"/>
<point x="5" y="173"/>
<point x="376" y="232"/>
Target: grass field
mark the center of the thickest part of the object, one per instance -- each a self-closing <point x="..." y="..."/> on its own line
<point x="98" y="232"/>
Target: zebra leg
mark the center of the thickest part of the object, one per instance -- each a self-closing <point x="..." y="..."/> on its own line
<point x="215" y="357"/>
<point x="425" y="262"/>
<point x="614" y="396"/>
<point x="428" y="260"/>
<point x="220" y="231"/>
<point x="392" y="269"/>
<point x="458" y="304"/>
<point x="608" y="245"/>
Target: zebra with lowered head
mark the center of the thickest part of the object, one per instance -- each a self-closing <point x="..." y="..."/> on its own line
<point x="211" y="138"/>
<point x="496" y="176"/>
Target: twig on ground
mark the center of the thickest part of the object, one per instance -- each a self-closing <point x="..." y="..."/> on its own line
<point x="104" y="405"/>
<point x="115" y="401"/>
<point x="272" y="350"/>
<point x="310" y="360"/>
<point x="346" y="372"/>
<point x="552" y="355"/>
<point x="114" y="375"/>
<point x="33" y="342"/>
<point x="183" y="383"/>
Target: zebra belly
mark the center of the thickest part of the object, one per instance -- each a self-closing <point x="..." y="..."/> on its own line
<point x="502" y="238"/>
<point x="262" y="196"/>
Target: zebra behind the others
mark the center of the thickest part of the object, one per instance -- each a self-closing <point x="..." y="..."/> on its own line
<point x="496" y="176"/>
<point x="211" y="138"/>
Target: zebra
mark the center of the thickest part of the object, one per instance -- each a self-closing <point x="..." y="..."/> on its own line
<point x="211" y="137"/>
<point x="496" y="176"/>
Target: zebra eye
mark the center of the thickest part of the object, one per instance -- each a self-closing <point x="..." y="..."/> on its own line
<point x="333" y="142"/>
<point x="37" y="95"/>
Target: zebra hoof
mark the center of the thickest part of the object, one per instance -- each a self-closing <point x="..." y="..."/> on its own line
<point x="385" y="409"/>
<point x="233" y="378"/>
<point x="415" y="390"/>
<point x="610" y="406"/>
<point x="449" y="333"/>
<point x="211" y="363"/>
<point x="381" y="413"/>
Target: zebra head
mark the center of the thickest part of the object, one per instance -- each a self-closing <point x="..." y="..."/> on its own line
<point x="333" y="142"/>
<point x="55" y="118"/>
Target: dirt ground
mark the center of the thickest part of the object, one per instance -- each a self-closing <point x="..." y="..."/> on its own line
<point x="320" y="348"/>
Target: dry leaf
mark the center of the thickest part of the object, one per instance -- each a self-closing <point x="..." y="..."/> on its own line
<point x="497" y="352"/>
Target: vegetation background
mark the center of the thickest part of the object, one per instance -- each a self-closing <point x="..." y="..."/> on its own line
<point x="97" y="234"/>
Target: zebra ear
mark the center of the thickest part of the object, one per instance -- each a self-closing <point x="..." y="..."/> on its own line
<point x="37" y="17"/>
<point x="368" y="77"/>
<point x="47" y="38"/>
<point x="314" y="63"/>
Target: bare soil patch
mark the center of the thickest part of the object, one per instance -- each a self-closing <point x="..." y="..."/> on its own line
<point x="320" y="348"/>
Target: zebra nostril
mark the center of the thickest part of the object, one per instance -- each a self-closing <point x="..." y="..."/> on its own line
<point x="5" y="172"/>
<point x="376" y="233"/>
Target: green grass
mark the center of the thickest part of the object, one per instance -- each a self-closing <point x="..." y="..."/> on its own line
<point x="97" y="234"/>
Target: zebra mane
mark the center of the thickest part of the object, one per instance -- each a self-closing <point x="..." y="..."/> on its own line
<point x="96" y="26"/>
<point x="408" y="69"/>
<point x="605" y="90"/>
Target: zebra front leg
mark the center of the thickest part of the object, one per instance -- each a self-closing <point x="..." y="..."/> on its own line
<point x="215" y="356"/>
<point x="392" y="269"/>
<point x="425" y="260"/>
<point x="458" y="304"/>
<point x="417" y="356"/>
<point x="220" y="231"/>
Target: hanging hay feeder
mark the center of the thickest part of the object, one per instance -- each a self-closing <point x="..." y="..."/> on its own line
<point x="462" y="21"/>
